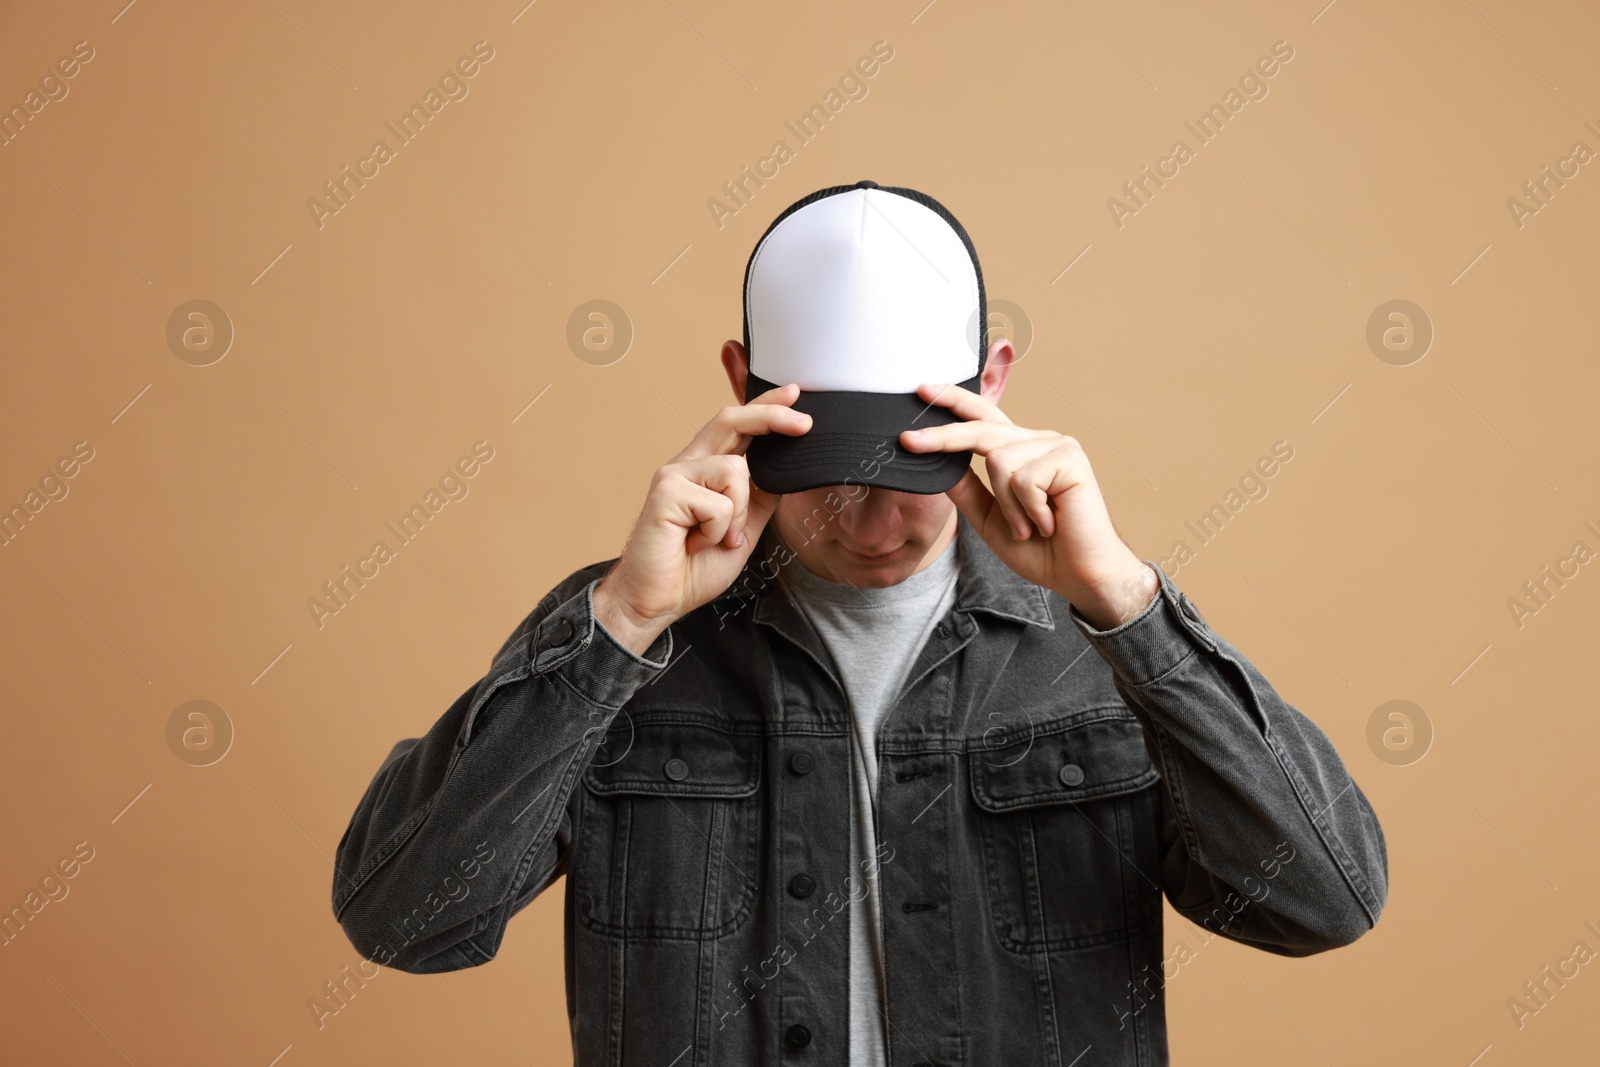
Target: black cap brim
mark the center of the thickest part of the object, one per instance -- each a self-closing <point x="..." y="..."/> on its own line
<point x="855" y="440"/>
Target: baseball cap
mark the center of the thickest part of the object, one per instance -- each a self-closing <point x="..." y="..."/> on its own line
<point x="860" y="293"/>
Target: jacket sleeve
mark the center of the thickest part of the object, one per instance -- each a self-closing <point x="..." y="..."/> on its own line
<point x="464" y="826"/>
<point x="1268" y="840"/>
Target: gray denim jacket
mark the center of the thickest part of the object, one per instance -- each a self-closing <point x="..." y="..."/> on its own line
<point x="1042" y="785"/>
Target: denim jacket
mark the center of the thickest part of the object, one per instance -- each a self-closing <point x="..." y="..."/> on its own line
<point x="1042" y="785"/>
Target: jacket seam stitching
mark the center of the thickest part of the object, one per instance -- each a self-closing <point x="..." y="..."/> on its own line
<point x="1357" y="885"/>
<point x="1164" y="675"/>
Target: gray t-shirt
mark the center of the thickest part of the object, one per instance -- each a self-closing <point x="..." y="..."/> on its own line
<point x="873" y="637"/>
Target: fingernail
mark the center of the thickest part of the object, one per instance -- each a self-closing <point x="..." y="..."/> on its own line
<point x="738" y="539"/>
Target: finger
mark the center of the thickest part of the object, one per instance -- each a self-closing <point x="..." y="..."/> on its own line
<point x="736" y="487"/>
<point x="973" y="499"/>
<point x="762" y="506"/>
<point x="1039" y="481"/>
<point x="1005" y="500"/>
<point x="1034" y="499"/>
<point x="777" y="395"/>
<point x="730" y="476"/>
<point x="731" y="428"/>
<point x="964" y="402"/>
<point x="981" y="437"/>
<point x="1003" y="464"/>
<point x="1047" y="479"/>
<point x="702" y="513"/>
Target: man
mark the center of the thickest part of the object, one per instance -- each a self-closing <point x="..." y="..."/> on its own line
<point x="824" y="754"/>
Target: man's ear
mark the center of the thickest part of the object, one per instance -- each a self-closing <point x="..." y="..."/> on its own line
<point x="738" y="370"/>
<point x="996" y="368"/>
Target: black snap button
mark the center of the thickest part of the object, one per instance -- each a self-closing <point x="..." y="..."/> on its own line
<point x="1071" y="774"/>
<point x="558" y="633"/>
<point x="802" y="885"/>
<point x="797" y="1036"/>
<point x="941" y="631"/>
<point x="676" y="769"/>
<point x="866" y="185"/>
<point x="801" y="762"/>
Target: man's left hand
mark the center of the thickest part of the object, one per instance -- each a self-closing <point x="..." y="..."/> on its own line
<point x="1045" y="516"/>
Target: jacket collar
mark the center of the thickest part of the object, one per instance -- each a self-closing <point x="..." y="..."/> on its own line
<point x="986" y="583"/>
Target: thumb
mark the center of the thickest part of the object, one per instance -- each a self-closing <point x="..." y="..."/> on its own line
<point x="973" y="499"/>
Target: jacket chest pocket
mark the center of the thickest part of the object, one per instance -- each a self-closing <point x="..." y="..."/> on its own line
<point x="1069" y="818"/>
<point x="669" y="828"/>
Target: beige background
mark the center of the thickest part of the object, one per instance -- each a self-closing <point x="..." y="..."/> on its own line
<point x="428" y="313"/>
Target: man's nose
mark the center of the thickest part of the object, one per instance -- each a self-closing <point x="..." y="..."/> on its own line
<point x="872" y="519"/>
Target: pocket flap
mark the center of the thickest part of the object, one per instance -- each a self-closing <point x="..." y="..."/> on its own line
<point x="674" y="759"/>
<point x="1058" y="763"/>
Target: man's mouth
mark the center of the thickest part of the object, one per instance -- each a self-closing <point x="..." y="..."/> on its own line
<point x="874" y="557"/>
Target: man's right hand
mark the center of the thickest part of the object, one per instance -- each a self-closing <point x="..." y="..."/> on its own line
<point x="699" y="524"/>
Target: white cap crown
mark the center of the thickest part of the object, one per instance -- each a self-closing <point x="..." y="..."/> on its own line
<point x="863" y="291"/>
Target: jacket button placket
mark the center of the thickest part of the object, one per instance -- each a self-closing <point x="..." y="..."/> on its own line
<point x="811" y="898"/>
<point x="916" y="817"/>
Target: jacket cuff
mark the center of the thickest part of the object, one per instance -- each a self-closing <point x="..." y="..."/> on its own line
<point x="571" y="645"/>
<point x="1168" y="631"/>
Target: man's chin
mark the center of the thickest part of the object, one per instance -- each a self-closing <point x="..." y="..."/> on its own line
<point x="890" y="568"/>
